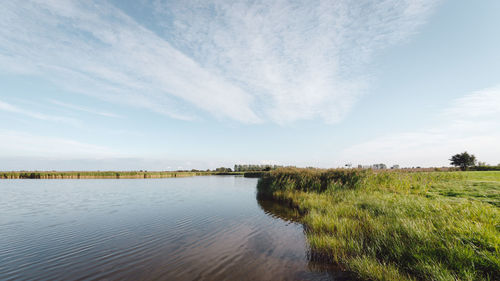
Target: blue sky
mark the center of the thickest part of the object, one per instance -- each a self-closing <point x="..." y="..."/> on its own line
<point x="167" y="84"/>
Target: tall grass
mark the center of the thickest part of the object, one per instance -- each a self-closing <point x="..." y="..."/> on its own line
<point x="288" y="179"/>
<point x="114" y="174"/>
<point x="94" y="174"/>
<point x="395" y="225"/>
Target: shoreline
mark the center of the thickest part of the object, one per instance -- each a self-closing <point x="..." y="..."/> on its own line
<point x="396" y="225"/>
<point x="115" y="174"/>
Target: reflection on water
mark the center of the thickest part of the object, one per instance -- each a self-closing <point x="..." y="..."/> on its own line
<point x="279" y="210"/>
<point x="283" y="211"/>
<point x="196" y="228"/>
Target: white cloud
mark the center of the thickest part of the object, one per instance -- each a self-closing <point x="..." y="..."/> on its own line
<point x="21" y="144"/>
<point x="244" y="60"/>
<point x="40" y="116"/>
<point x="480" y="104"/>
<point x="94" y="48"/>
<point x="85" y="109"/>
<point x="470" y="123"/>
<point x="302" y="60"/>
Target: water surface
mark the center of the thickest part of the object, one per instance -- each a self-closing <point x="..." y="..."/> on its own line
<point x="210" y="228"/>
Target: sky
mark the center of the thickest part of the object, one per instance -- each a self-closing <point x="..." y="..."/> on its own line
<point x="167" y="84"/>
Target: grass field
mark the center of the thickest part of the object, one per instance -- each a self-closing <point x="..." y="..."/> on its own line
<point x="398" y="225"/>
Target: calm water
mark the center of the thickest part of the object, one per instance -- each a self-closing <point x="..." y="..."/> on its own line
<point x="210" y="228"/>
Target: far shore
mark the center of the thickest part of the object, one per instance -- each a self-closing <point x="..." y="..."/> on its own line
<point x="115" y="174"/>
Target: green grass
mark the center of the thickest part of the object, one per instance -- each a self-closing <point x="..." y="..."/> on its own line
<point x="398" y="225"/>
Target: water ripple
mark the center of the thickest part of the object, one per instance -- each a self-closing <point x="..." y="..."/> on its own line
<point x="209" y="228"/>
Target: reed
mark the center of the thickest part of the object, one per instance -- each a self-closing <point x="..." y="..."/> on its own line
<point x="398" y="225"/>
<point x="94" y="174"/>
<point x="115" y="174"/>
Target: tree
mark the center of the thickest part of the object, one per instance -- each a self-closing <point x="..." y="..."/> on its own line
<point x="223" y="170"/>
<point x="463" y="160"/>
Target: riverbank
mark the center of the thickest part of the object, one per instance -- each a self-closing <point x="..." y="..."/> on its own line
<point x="113" y="174"/>
<point x="397" y="225"/>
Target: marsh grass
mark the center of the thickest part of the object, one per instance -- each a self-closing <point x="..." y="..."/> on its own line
<point x="398" y="225"/>
<point x="115" y="174"/>
<point x="94" y="174"/>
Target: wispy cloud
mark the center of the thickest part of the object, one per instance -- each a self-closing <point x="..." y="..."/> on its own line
<point x="300" y="59"/>
<point x="85" y="109"/>
<point x="470" y="123"/>
<point x="94" y="48"/>
<point x="36" y="115"/>
<point x="22" y="144"/>
<point x="481" y="105"/>
<point x="244" y="60"/>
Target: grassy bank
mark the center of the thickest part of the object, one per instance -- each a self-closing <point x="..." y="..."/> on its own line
<point x="107" y="174"/>
<point x="398" y="225"/>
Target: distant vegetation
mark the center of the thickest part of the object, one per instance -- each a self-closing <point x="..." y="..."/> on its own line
<point x="116" y="174"/>
<point x="463" y="160"/>
<point x="485" y="168"/>
<point x="96" y="174"/>
<point x="397" y="225"/>
<point x="466" y="161"/>
<point x="254" y="168"/>
<point x="223" y="170"/>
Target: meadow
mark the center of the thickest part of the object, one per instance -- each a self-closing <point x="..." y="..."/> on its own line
<point x="397" y="225"/>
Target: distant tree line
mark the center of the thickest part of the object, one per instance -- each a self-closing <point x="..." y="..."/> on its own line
<point x="238" y="168"/>
<point x="253" y="168"/>
<point x="466" y="161"/>
<point x="223" y="170"/>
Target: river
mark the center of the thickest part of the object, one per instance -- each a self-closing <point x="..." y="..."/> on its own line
<point x="196" y="228"/>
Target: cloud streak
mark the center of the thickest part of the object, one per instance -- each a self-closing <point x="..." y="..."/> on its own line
<point x="301" y="60"/>
<point x="85" y="109"/>
<point x="470" y="123"/>
<point x="249" y="61"/>
<point x="36" y="115"/>
<point x="96" y="49"/>
<point x="21" y="144"/>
